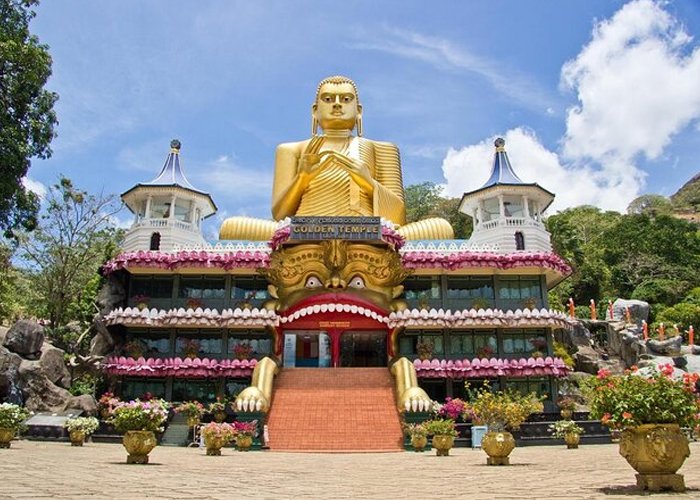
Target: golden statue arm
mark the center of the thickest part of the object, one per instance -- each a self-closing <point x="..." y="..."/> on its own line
<point x="258" y="396"/>
<point x="287" y="186"/>
<point x="407" y="390"/>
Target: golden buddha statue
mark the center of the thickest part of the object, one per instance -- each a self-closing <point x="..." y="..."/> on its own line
<point x="337" y="173"/>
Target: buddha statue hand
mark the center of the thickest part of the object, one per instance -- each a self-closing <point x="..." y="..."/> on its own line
<point x="358" y="170"/>
<point x="310" y="161"/>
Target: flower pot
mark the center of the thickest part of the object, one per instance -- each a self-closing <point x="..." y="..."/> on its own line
<point x="192" y="421"/>
<point x="572" y="440"/>
<point x="498" y="446"/>
<point x="243" y="443"/>
<point x="567" y="414"/>
<point x="219" y="416"/>
<point x="6" y="436"/>
<point x="77" y="438"/>
<point x="442" y="445"/>
<point x="656" y="452"/>
<point x="214" y="445"/>
<point x="139" y="444"/>
<point x="419" y="442"/>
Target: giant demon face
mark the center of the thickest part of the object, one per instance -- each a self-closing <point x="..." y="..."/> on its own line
<point x="338" y="271"/>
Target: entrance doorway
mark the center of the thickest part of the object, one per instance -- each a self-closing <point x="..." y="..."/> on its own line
<point x="363" y="349"/>
<point x="307" y="349"/>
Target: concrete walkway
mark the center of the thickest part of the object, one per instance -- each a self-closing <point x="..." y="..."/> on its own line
<point x="33" y="469"/>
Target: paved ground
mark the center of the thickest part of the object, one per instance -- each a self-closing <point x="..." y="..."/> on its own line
<point x="33" y="469"/>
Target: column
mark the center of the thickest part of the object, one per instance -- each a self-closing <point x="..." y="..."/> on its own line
<point x="171" y="215"/>
<point x="191" y="214"/>
<point x="526" y="208"/>
<point x="147" y="213"/>
<point x="501" y="206"/>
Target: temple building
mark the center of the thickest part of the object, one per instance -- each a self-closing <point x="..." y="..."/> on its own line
<point x="341" y="291"/>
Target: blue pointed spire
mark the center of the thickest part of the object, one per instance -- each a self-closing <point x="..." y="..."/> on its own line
<point x="172" y="173"/>
<point x="502" y="172"/>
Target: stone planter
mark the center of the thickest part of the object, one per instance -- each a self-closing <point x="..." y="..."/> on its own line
<point x="498" y="446"/>
<point x="219" y="416"/>
<point x="567" y="414"/>
<point x="77" y="438"/>
<point x="214" y="445"/>
<point x="243" y="443"/>
<point x="6" y="436"/>
<point x="656" y="452"/>
<point x="139" y="444"/>
<point x="443" y="444"/>
<point x="572" y="440"/>
<point x="419" y="442"/>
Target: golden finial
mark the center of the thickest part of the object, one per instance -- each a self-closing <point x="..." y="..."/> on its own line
<point x="175" y="146"/>
<point x="500" y="144"/>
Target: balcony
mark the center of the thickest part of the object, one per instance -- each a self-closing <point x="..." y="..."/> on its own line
<point x="164" y="223"/>
<point x="511" y="222"/>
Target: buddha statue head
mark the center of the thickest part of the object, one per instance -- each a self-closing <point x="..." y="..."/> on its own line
<point x="337" y="106"/>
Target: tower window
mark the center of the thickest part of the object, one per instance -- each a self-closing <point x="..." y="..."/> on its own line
<point x="519" y="241"/>
<point x="155" y="241"/>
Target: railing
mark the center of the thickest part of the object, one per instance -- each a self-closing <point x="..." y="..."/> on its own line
<point x="512" y="222"/>
<point x="161" y="223"/>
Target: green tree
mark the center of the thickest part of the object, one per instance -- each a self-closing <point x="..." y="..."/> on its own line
<point x="425" y="200"/>
<point x="652" y="205"/>
<point x="74" y="237"/>
<point x="27" y="118"/>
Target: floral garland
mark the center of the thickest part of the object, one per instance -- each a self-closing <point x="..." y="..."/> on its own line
<point x="479" y="368"/>
<point x="179" y="368"/>
<point x="417" y="259"/>
<point x="188" y="259"/>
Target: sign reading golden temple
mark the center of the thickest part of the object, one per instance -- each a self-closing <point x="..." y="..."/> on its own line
<point x="327" y="228"/>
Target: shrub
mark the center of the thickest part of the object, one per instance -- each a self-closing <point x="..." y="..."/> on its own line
<point x="12" y="416"/>
<point x="139" y="415"/>
<point x="502" y="409"/>
<point x="87" y="425"/>
<point x="561" y="428"/>
<point x="441" y="427"/>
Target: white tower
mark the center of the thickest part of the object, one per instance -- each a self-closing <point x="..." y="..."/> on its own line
<point x="168" y="211"/>
<point x="507" y="212"/>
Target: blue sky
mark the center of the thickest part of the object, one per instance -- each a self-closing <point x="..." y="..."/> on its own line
<point x="598" y="99"/>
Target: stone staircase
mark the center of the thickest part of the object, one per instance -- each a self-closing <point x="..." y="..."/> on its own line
<point x="177" y="433"/>
<point x="334" y="410"/>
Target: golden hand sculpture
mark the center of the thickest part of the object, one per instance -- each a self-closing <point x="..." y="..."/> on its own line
<point x="337" y="174"/>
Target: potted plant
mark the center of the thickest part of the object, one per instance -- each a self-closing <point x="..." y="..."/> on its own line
<point x="444" y="433"/>
<point x="242" y="351"/>
<point x="190" y="348"/>
<point x="12" y="419"/>
<point x="453" y="408"/>
<point x="500" y="411"/>
<point x="418" y="435"/>
<point x="566" y="405"/>
<point x="216" y="436"/>
<point x="134" y="349"/>
<point x="567" y="430"/>
<point x="141" y="301"/>
<point x="650" y="410"/>
<point x="245" y="432"/>
<point x="424" y="348"/>
<point x="80" y="428"/>
<point x="218" y="410"/>
<point x="139" y="420"/>
<point x="193" y="410"/>
<point x="106" y="403"/>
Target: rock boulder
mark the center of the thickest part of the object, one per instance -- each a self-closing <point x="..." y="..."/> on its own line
<point x="668" y="347"/>
<point x="25" y="338"/>
<point x="639" y="310"/>
<point x="53" y="365"/>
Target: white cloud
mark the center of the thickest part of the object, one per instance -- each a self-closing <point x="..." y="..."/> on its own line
<point x="468" y="168"/>
<point x="636" y="83"/>
<point x="34" y="186"/>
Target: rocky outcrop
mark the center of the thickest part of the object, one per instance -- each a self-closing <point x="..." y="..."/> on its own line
<point x="36" y="375"/>
<point x="53" y="365"/>
<point x="639" y="310"/>
<point x="668" y="347"/>
<point x="25" y="338"/>
<point x="102" y="343"/>
<point x="111" y="295"/>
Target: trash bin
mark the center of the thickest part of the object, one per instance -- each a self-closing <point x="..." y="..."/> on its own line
<point x="478" y="433"/>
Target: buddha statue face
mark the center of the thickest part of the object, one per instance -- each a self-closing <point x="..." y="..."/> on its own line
<point x="337" y="106"/>
<point x="335" y="270"/>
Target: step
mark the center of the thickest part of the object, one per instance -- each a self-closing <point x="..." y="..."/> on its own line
<point x="334" y="409"/>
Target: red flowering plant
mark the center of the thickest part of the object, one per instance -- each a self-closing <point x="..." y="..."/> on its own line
<point x="106" y="404"/>
<point x="637" y="398"/>
<point x="452" y="409"/>
<point x="245" y="428"/>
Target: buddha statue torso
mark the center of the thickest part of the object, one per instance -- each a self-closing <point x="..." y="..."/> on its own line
<point x="337" y="174"/>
